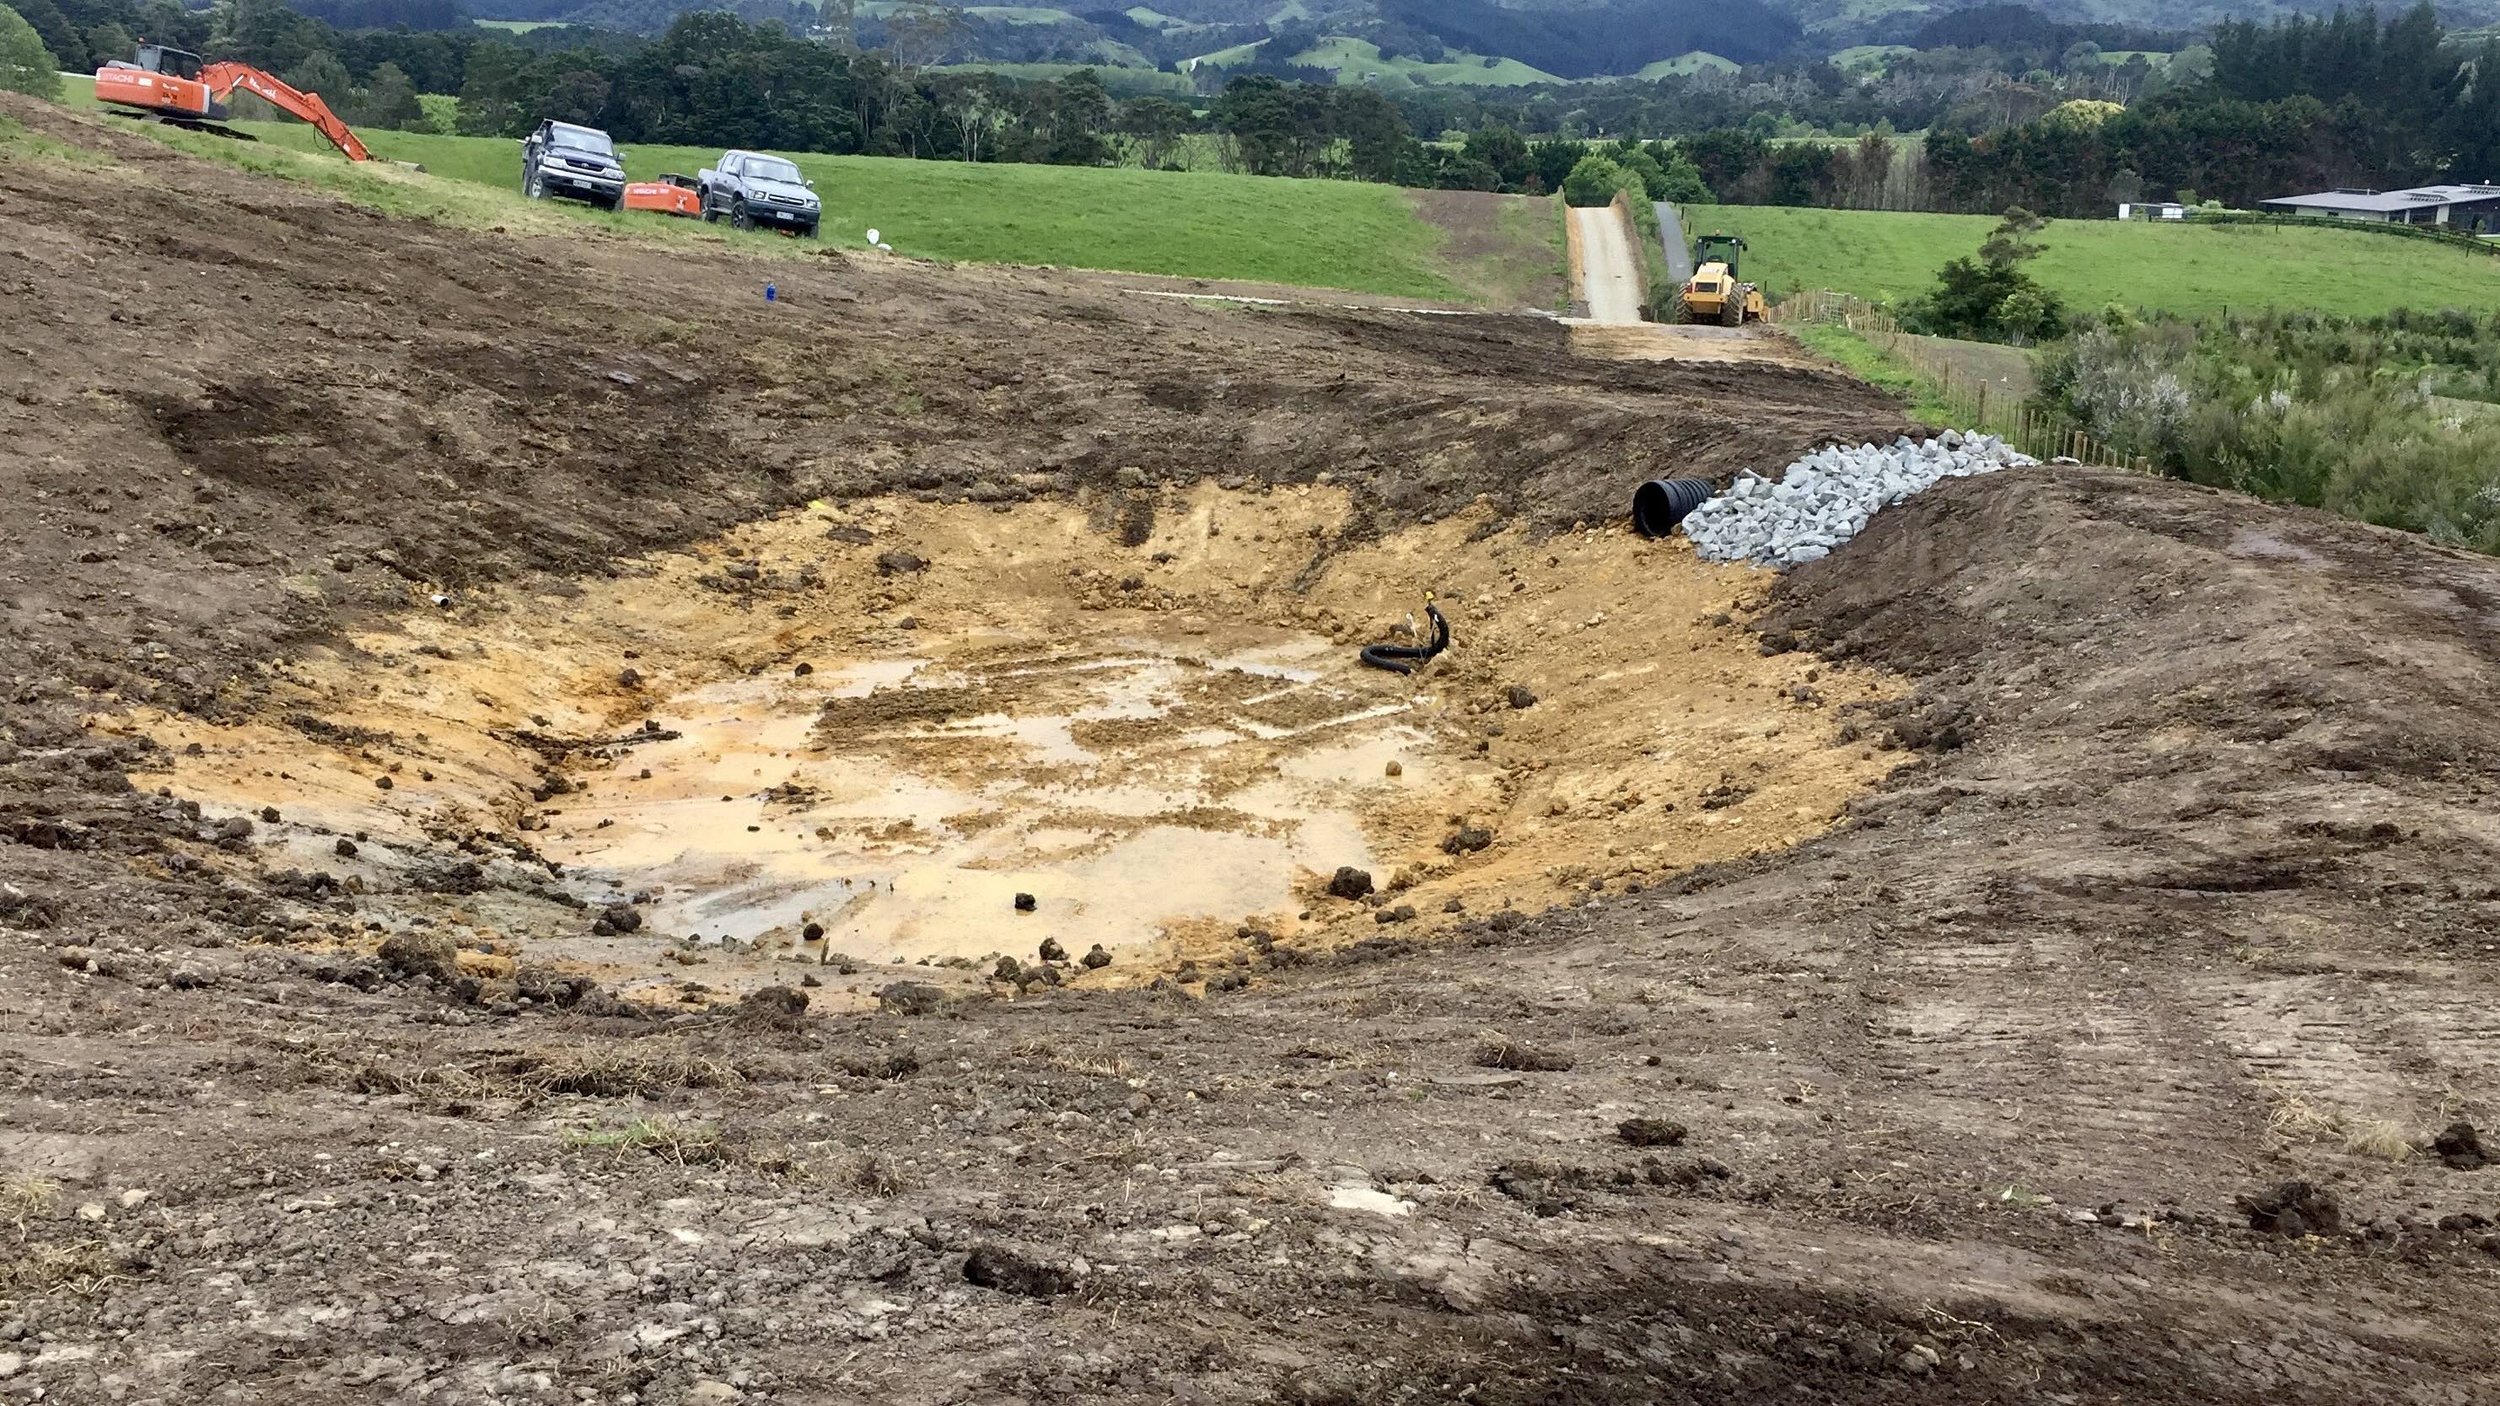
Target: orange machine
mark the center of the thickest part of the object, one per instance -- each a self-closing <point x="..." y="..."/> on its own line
<point x="670" y="195"/>
<point x="176" y="87"/>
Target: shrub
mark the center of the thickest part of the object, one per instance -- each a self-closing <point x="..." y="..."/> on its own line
<point x="2333" y="413"/>
<point x="26" y="66"/>
<point x="1594" y="181"/>
<point x="1991" y="298"/>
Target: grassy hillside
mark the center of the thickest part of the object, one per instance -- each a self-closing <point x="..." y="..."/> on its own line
<point x="2181" y="268"/>
<point x="1869" y="58"/>
<point x="1121" y="81"/>
<point x="1358" y="61"/>
<point x="1684" y="64"/>
<point x="1319" y="234"/>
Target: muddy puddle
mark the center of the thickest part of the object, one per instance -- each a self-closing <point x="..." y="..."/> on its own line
<point x="902" y="806"/>
<point x="880" y="723"/>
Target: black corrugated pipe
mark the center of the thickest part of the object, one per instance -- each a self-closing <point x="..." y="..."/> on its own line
<point x="1661" y="503"/>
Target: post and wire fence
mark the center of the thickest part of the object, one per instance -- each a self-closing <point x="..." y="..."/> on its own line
<point x="1974" y="400"/>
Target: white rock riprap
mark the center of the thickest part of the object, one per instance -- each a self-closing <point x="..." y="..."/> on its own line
<point x="1826" y="498"/>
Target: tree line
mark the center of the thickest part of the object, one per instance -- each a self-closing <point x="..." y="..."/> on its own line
<point x="2296" y="106"/>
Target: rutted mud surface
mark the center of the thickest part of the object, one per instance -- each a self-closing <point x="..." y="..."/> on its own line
<point x="2110" y="1051"/>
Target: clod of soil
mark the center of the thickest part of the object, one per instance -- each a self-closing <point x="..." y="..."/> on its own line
<point x="773" y="1007"/>
<point x="911" y="998"/>
<point x="1349" y="883"/>
<point x="2460" y="1147"/>
<point x="2293" y="1208"/>
<point x="1520" y="697"/>
<point x="1651" y="1132"/>
<point x="421" y="954"/>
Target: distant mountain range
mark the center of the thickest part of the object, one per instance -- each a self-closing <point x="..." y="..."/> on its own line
<point x="1567" y="38"/>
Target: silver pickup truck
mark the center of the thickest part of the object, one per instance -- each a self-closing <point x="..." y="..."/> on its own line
<point x="754" y="191"/>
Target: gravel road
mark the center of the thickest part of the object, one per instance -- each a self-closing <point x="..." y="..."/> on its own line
<point x="1610" y="279"/>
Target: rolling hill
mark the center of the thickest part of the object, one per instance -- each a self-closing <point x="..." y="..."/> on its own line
<point x="1439" y="40"/>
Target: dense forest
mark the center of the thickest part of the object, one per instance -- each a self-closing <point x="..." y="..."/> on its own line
<point x="2301" y="105"/>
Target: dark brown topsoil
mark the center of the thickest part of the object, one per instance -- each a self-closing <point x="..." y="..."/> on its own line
<point x="2191" y="887"/>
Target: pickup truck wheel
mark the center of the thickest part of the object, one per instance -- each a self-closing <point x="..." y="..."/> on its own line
<point x="739" y="218"/>
<point x="534" y="186"/>
<point x="808" y="233"/>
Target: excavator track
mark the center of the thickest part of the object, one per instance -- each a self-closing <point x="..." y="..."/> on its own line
<point x="188" y="124"/>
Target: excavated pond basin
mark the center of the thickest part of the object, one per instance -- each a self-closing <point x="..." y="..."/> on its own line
<point x="883" y="722"/>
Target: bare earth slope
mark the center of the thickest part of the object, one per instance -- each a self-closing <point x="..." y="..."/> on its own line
<point x="2185" y="890"/>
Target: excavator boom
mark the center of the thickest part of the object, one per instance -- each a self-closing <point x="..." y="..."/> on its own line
<point x="223" y="78"/>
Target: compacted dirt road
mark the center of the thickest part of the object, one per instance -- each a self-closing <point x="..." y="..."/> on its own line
<point x="2088" y="995"/>
<point x="1607" y="263"/>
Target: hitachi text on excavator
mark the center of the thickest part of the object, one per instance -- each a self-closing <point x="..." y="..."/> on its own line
<point x="172" y="86"/>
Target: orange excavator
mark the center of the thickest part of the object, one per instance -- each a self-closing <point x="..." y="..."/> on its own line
<point x="172" y="86"/>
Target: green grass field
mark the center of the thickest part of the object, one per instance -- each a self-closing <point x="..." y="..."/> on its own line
<point x="1004" y="14"/>
<point x="1353" y="59"/>
<point x="1121" y="81"/>
<point x="1319" y="234"/>
<point x="1869" y="364"/>
<point x="1869" y="58"/>
<point x="1683" y="65"/>
<point x="2187" y="268"/>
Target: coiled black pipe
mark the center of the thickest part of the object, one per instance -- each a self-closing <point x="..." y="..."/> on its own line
<point x="1406" y="658"/>
<point x="1661" y="503"/>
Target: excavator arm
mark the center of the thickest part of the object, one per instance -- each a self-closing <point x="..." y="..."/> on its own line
<point x="222" y="79"/>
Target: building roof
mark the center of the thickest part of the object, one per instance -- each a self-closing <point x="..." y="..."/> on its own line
<point x="2389" y="202"/>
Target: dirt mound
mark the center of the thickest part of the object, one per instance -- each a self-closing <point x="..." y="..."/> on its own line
<point x="2186" y="887"/>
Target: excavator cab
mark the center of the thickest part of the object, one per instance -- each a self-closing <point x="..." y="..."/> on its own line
<point x="162" y="83"/>
<point x="156" y="58"/>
